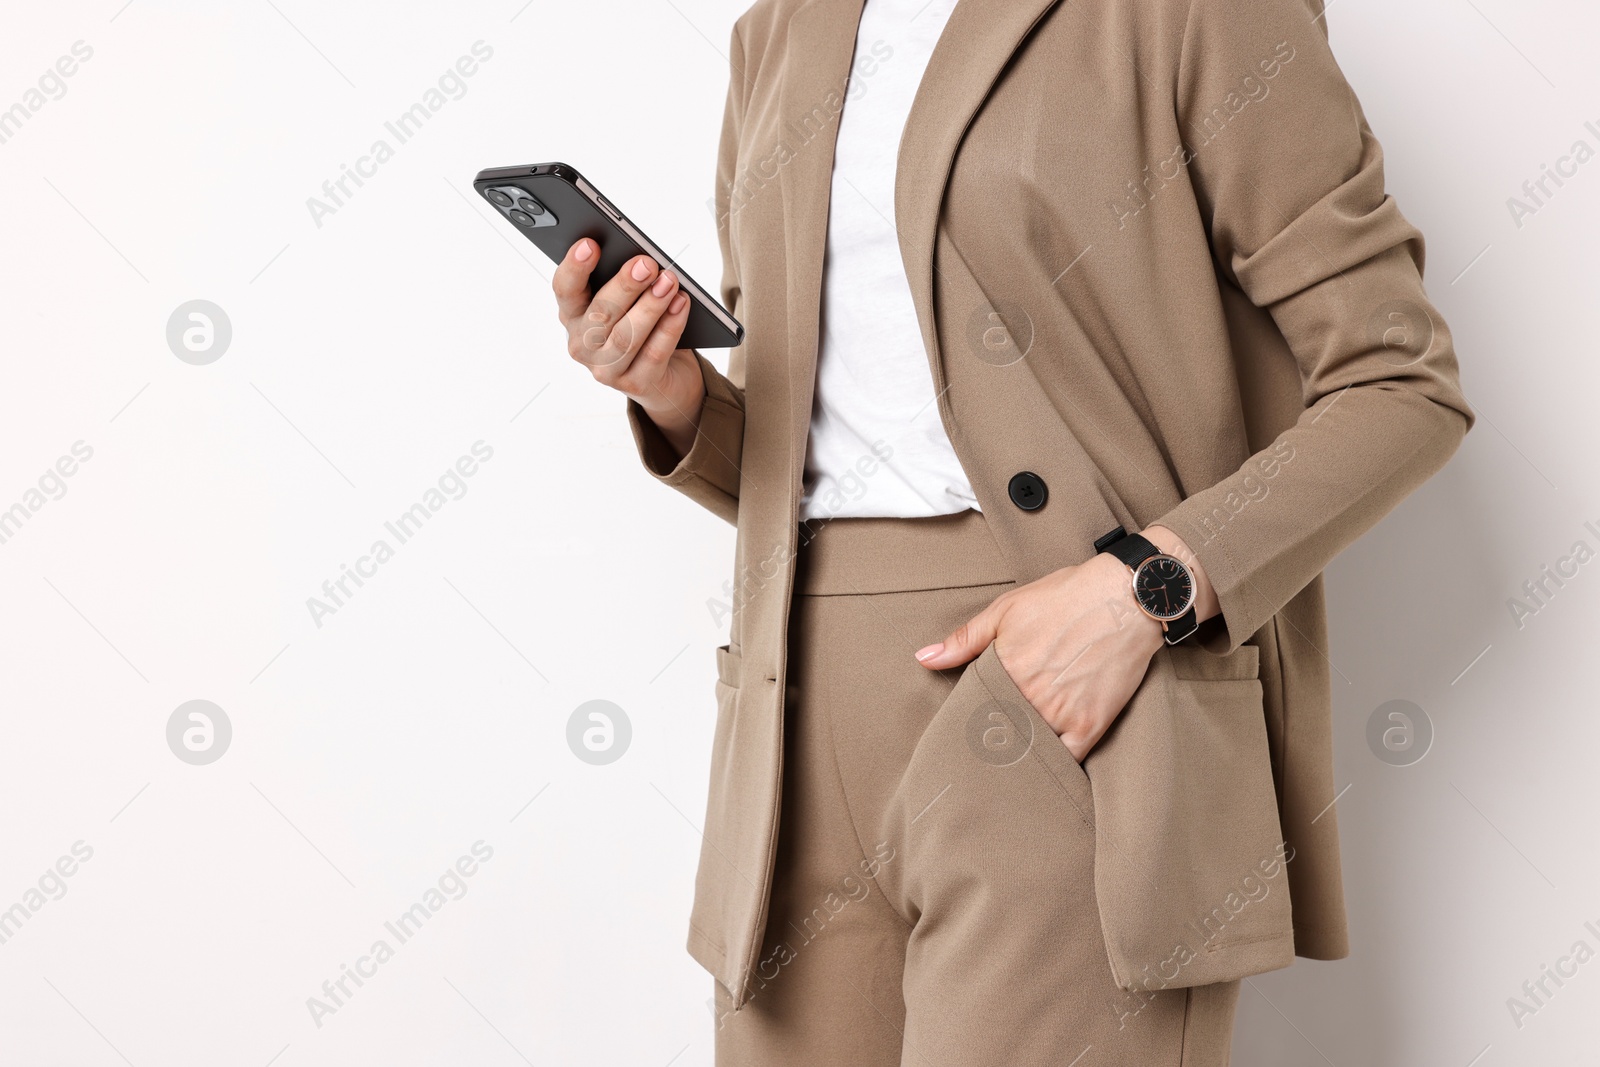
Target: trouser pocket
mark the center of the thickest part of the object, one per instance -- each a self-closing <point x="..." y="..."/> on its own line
<point x="1172" y="819"/>
<point x="989" y="794"/>
<point x="1005" y="727"/>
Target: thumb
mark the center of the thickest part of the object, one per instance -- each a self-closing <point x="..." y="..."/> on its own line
<point x="969" y="639"/>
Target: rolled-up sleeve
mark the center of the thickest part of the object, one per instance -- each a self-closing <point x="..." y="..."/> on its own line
<point x="1293" y="195"/>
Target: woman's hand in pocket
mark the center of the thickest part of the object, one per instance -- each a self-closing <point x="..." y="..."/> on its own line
<point x="1074" y="642"/>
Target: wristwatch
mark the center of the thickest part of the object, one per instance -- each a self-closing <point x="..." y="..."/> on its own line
<point x="1163" y="586"/>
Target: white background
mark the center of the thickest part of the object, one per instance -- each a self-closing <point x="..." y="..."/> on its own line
<point x="371" y="352"/>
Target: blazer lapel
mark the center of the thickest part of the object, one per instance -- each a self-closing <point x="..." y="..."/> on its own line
<point x="816" y="68"/>
<point x="976" y="44"/>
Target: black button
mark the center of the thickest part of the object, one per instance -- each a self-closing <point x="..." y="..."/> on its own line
<point x="1028" y="491"/>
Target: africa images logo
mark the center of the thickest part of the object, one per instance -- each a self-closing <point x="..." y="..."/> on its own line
<point x="451" y="85"/>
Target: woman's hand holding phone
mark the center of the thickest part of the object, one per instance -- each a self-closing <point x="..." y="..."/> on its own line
<point x="627" y="335"/>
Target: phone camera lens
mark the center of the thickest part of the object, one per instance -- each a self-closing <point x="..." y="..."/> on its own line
<point x="532" y="207"/>
<point x="521" y="218"/>
<point x="499" y="198"/>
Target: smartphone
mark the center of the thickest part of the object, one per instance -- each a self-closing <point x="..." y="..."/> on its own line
<point x="554" y="206"/>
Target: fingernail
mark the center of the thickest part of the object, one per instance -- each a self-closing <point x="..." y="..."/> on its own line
<point x="641" y="270"/>
<point x="583" y="251"/>
<point x="931" y="651"/>
<point x="663" y="284"/>
<point x="678" y="303"/>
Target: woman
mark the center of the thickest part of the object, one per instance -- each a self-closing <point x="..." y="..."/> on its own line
<point x="1044" y="427"/>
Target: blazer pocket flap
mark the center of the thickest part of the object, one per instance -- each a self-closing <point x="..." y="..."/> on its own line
<point x="1189" y="855"/>
<point x="1196" y="664"/>
<point x="728" y="663"/>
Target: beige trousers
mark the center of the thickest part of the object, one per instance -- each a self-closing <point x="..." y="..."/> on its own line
<point x="933" y="897"/>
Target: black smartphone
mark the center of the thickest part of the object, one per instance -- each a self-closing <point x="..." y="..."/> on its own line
<point x="554" y="206"/>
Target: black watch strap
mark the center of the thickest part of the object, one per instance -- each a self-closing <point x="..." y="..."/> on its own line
<point x="1181" y="627"/>
<point x="1134" y="549"/>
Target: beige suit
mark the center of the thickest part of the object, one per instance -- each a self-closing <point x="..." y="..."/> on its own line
<point x="1154" y="263"/>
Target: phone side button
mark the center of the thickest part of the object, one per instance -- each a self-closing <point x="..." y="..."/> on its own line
<point x="613" y="212"/>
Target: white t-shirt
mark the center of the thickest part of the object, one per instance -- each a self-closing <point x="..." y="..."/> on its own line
<point x="877" y="445"/>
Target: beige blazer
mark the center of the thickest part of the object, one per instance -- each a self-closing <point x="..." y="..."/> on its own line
<point x="1153" y="262"/>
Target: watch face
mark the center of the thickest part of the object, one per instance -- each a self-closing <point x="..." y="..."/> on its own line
<point x="1164" y="587"/>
